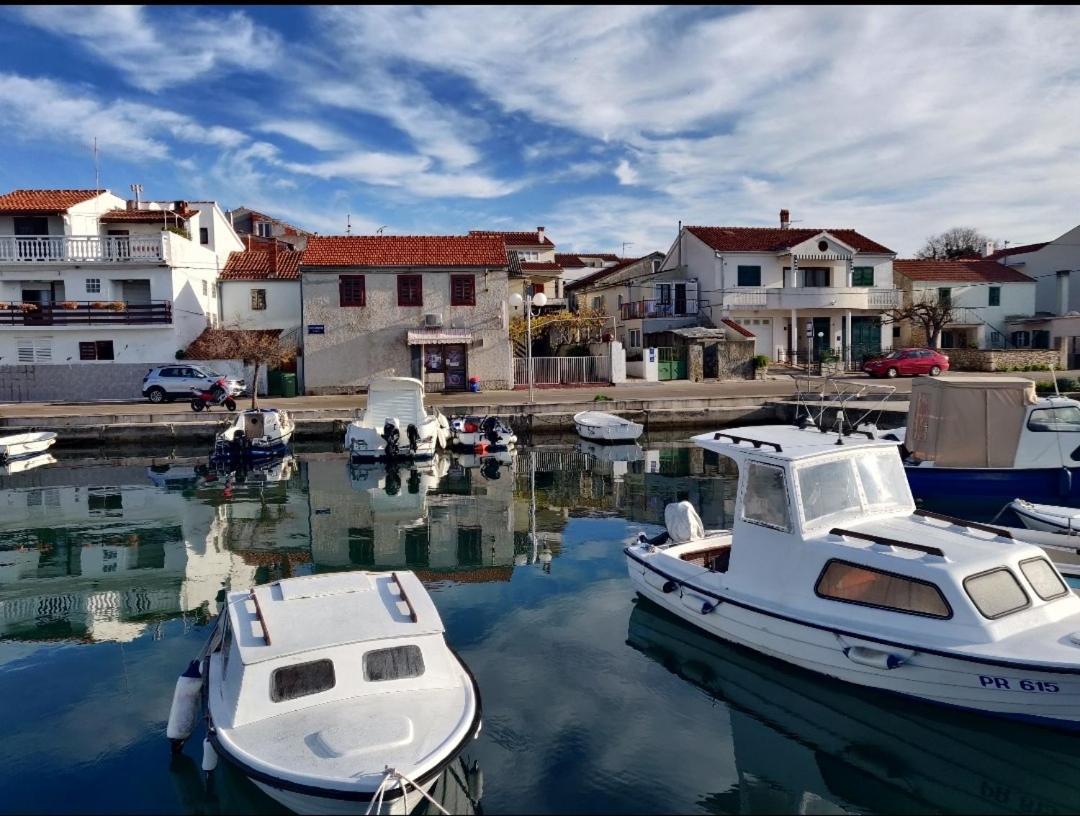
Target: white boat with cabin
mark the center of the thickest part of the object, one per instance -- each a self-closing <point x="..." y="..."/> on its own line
<point x="22" y="445"/>
<point x="256" y="433"/>
<point x="828" y="566"/>
<point x="333" y="693"/>
<point x="598" y="426"/>
<point x="395" y="424"/>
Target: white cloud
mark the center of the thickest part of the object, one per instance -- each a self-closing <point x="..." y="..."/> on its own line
<point x="309" y="132"/>
<point x="177" y="47"/>
<point x="625" y="173"/>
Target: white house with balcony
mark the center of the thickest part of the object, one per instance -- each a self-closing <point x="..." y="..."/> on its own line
<point x="88" y="277"/>
<point x="984" y="295"/>
<point x="799" y="291"/>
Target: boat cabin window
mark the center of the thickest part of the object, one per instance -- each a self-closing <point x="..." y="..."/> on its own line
<point x="765" y="500"/>
<point x="856" y="584"/>
<point x="395" y="663"/>
<point x="996" y="593"/>
<point x="1063" y="418"/>
<point x="828" y="488"/>
<point x="884" y="482"/>
<point x="1043" y="578"/>
<point x="290" y="682"/>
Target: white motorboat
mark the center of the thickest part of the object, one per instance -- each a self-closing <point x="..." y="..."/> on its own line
<point x="395" y="424"/>
<point x="485" y="433"/>
<point x="829" y="567"/>
<point x="25" y="444"/>
<point x="1047" y="518"/>
<point x="598" y="426"/>
<point x="333" y="693"/>
<point x="256" y="433"/>
<point x="13" y="466"/>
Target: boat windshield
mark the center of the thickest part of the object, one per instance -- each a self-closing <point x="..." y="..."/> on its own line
<point x="870" y="482"/>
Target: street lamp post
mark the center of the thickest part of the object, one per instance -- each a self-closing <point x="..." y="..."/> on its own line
<point x="539" y="300"/>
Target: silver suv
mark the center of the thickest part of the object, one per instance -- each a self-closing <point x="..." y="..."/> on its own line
<point x="166" y="383"/>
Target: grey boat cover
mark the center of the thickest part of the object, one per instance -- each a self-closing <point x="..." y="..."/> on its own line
<point x="967" y="422"/>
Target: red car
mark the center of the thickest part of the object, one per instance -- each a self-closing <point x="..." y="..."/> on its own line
<point x="908" y="362"/>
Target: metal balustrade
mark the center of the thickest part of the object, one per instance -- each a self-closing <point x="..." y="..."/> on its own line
<point x="563" y="370"/>
<point x="81" y="248"/>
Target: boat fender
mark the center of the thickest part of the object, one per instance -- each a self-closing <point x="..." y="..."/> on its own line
<point x="209" y="756"/>
<point x="185" y="705"/>
<point x="699" y="603"/>
<point x="659" y="582"/>
<point x="873" y="658"/>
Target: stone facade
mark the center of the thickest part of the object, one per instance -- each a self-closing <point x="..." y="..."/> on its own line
<point x="359" y="343"/>
<point x="1000" y="360"/>
<point x="720" y="360"/>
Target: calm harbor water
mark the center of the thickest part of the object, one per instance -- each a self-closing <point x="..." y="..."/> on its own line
<point x="111" y="572"/>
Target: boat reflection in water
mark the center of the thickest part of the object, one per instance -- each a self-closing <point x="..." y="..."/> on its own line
<point x="805" y="744"/>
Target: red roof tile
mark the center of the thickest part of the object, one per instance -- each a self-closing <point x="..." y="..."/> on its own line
<point x="540" y="266"/>
<point x="145" y="216"/>
<point x="577" y="258"/>
<point x="600" y="274"/>
<point x="254" y="264"/>
<point x="529" y="239"/>
<point x="745" y="332"/>
<point x="978" y="270"/>
<point x="774" y="239"/>
<point x="405" y="250"/>
<point x="44" y="202"/>
<point x="1016" y="250"/>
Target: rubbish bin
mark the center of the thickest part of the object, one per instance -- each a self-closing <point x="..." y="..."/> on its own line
<point x="273" y="384"/>
<point x="474" y="384"/>
<point x="288" y="384"/>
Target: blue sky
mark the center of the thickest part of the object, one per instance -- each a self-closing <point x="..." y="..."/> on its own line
<point x="604" y="124"/>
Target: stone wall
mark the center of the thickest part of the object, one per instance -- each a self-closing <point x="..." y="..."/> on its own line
<point x="720" y="359"/>
<point x="72" y="383"/>
<point x="1000" y="359"/>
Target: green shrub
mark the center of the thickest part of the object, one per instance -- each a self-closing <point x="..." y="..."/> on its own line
<point x="601" y="398"/>
<point x="1044" y="385"/>
<point x="1067" y="384"/>
<point x="761" y="361"/>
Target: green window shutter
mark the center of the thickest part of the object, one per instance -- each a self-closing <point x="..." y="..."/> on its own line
<point x="995" y="296"/>
<point x="749" y="276"/>
<point x="862" y="276"/>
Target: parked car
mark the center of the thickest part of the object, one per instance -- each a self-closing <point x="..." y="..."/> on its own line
<point x="907" y="363"/>
<point x="166" y="383"/>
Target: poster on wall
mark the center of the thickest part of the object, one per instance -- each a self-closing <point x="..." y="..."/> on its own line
<point x="433" y="360"/>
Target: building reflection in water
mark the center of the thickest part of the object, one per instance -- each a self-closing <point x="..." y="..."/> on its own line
<point x="104" y="552"/>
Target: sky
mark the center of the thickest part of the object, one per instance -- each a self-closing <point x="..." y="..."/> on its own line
<point x="606" y="125"/>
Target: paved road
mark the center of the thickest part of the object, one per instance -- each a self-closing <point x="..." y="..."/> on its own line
<point x="772" y="386"/>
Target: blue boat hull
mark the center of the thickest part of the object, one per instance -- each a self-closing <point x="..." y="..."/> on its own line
<point x="1034" y="484"/>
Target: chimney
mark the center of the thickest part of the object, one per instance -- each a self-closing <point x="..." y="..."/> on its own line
<point x="1062" y="291"/>
<point x="991" y="248"/>
<point x="273" y="257"/>
<point x="247" y="241"/>
<point x="540" y="234"/>
<point x="785" y="219"/>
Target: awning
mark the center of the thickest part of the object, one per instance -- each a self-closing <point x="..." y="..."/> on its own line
<point x="435" y="337"/>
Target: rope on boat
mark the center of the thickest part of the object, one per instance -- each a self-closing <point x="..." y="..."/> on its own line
<point x="391" y="776"/>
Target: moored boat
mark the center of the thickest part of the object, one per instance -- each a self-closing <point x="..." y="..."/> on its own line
<point x="395" y="424"/>
<point x="25" y="463"/>
<point x="481" y="433"/>
<point x="22" y="445"/>
<point x="870" y="591"/>
<point x="598" y="426"/>
<point x="333" y="693"/>
<point x="257" y="433"/>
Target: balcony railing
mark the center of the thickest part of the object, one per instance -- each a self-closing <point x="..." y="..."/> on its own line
<point x="86" y="313"/>
<point x="658" y="309"/>
<point x="812" y="297"/>
<point x="966" y="316"/>
<point x="81" y="248"/>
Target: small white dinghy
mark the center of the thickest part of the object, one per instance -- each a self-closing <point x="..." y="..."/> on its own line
<point x="13" y="466"/>
<point x="25" y="444"/>
<point x="395" y="424"/>
<point x="333" y="693"/>
<point x="1047" y="518"/>
<point x="256" y="433"/>
<point x="598" y="426"/>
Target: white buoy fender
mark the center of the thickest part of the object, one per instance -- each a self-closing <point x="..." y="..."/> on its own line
<point x="185" y="703"/>
<point x="209" y="756"/>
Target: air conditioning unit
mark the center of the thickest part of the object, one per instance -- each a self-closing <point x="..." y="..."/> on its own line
<point x="433" y="321"/>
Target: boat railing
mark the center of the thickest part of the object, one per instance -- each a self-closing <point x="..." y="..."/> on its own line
<point x="259" y="615"/>
<point x="757" y="443"/>
<point x="971" y="525"/>
<point x="890" y="542"/>
<point x="815" y="396"/>
<point x="404" y="597"/>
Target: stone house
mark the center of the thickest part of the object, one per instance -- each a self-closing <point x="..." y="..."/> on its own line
<point x="257" y="229"/>
<point x="430" y="307"/>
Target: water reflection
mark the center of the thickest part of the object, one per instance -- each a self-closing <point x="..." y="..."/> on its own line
<point x="806" y="745"/>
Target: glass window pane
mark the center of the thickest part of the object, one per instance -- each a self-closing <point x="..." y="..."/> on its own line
<point x="765" y="501"/>
<point x="1065" y="418"/>
<point x="828" y="488"/>
<point x="1043" y="578"/>
<point x="996" y="593"/>
<point x="842" y="581"/>
<point x="300" y="680"/>
<point x="883" y="479"/>
<point x="395" y="663"/>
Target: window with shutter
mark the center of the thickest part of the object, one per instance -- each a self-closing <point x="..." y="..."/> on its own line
<point x="749" y="276"/>
<point x="462" y="290"/>
<point x="410" y="290"/>
<point x="862" y="276"/>
<point x="352" y="291"/>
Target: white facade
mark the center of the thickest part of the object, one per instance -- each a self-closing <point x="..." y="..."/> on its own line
<point x="281" y="299"/>
<point x="975" y="321"/>
<point x="1056" y="294"/>
<point x="148" y="290"/>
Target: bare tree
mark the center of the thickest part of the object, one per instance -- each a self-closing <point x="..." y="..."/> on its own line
<point x="256" y="347"/>
<point x="958" y="242"/>
<point x="931" y="312"/>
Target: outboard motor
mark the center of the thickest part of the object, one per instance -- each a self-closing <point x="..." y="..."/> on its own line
<point x="391" y="434"/>
<point x="414" y="437"/>
<point x="414" y="481"/>
<point x="490" y="428"/>
<point x="393" y="480"/>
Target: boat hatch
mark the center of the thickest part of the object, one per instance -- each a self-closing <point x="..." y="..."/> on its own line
<point x="297" y="588"/>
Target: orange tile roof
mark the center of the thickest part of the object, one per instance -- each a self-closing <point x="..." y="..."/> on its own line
<point x="1016" y="250"/>
<point x="516" y="238"/>
<point x="774" y="239"/>
<point x="978" y="270"/>
<point x="405" y="250"/>
<point x="540" y="266"/>
<point x="44" y="202"/>
<point x="254" y="264"/>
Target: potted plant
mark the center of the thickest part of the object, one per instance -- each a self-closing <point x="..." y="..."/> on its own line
<point x="29" y="307"/>
<point x="761" y="365"/>
<point x="67" y="305"/>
